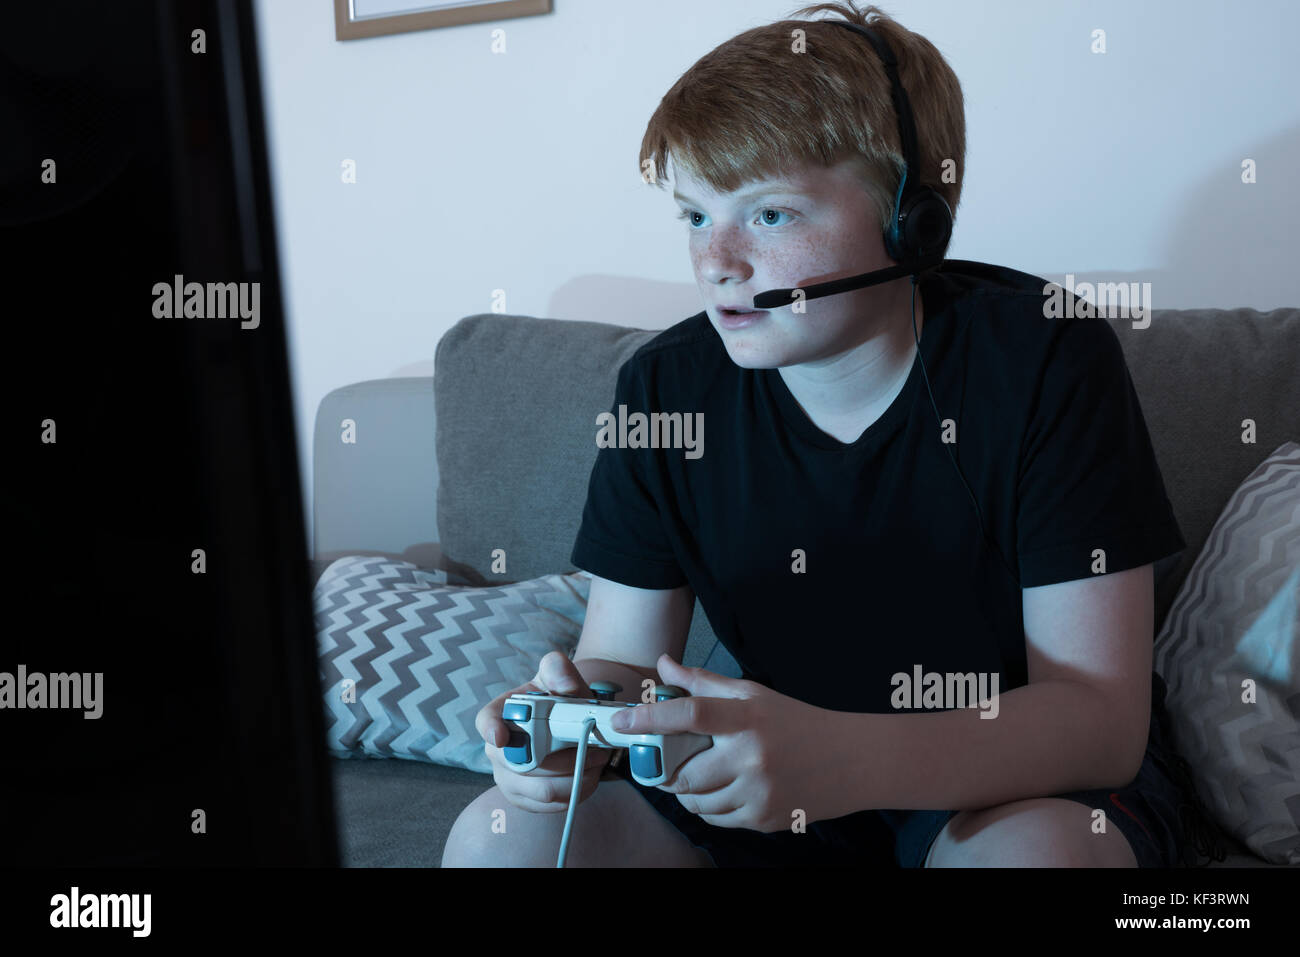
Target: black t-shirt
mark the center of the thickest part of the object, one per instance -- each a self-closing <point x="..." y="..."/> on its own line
<point x="892" y="571"/>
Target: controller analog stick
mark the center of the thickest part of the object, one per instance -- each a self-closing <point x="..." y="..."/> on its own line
<point x="605" y="690"/>
<point x="668" y="692"/>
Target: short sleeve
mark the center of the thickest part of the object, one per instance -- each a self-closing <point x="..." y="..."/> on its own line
<point x="622" y="536"/>
<point x="1088" y="476"/>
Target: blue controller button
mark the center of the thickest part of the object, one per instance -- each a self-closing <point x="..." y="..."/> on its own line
<point x="519" y="749"/>
<point x="645" y="761"/>
<point x="517" y="712"/>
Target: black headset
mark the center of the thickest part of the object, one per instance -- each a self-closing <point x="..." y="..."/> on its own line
<point x="920" y="223"/>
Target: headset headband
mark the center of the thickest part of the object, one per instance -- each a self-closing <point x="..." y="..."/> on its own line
<point x="902" y="106"/>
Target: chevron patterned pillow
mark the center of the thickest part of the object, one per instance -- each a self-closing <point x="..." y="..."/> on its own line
<point x="407" y="660"/>
<point x="1229" y="652"/>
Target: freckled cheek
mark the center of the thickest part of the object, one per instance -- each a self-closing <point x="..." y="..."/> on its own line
<point x="805" y="260"/>
<point x="798" y="262"/>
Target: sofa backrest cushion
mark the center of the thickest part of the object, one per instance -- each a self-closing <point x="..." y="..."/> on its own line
<point x="1199" y="374"/>
<point x="518" y="397"/>
<point x="517" y="402"/>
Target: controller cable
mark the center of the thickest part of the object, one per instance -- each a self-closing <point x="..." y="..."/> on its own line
<point x="578" y="763"/>
<point x="978" y="514"/>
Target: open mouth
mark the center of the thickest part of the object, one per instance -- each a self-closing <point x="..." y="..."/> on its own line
<point x="730" y="318"/>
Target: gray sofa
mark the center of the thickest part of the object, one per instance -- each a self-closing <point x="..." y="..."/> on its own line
<point x="505" y="464"/>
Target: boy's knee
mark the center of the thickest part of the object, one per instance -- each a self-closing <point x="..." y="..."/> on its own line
<point x="467" y="842"/>
<point x="1036" y="832"/>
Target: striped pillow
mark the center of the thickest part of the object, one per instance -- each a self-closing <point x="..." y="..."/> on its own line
<point x="1234" y="628"/>
<point x="407" y="660"/>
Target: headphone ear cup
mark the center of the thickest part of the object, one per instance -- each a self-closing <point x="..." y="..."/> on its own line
<point x="922" y="228"/>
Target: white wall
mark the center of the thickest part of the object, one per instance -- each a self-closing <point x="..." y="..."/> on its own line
<point x="479" y="171"/>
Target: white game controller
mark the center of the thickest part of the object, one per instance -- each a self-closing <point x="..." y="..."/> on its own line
<point x="541" y="724"/>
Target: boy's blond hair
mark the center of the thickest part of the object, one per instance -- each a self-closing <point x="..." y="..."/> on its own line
<point x="752" y="108"/>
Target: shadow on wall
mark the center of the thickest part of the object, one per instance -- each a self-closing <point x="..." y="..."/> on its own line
<point x="1226" y="250"/>
<point x="1231" y="244"/>
<point x="620" y="300"/>
<point x="624" y="301"/>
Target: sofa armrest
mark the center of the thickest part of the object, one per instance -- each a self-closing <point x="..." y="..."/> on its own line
<point x="375" y="473"/>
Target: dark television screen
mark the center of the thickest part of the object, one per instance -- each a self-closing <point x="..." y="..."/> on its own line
<point x="157" y="670"/>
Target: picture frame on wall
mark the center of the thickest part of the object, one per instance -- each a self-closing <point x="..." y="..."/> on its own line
<point x="358" y="19"/>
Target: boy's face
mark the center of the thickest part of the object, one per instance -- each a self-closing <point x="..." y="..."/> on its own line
<point x="773" y="234"/>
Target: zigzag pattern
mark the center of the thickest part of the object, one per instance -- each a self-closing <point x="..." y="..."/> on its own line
<point x="426" y="656"/>
<point x="1235" y="618"/>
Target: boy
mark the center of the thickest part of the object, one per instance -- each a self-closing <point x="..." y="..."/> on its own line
<point x="829" y="537"/>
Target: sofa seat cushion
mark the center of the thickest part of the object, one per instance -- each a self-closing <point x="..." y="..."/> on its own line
<point x="399" y="813"/>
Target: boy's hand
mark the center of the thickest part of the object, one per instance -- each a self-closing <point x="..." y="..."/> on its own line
<point x="771" y="757"/>
<point x="545" y="789"/>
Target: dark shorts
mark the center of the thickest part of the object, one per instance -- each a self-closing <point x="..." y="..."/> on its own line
<point x="1146" y="811"/>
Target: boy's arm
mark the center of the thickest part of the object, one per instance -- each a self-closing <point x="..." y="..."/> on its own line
<point x="625" y="631"/>
<point x="1080" y="723"/>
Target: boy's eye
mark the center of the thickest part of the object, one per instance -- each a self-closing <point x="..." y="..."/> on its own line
<point x="690" y="214"/>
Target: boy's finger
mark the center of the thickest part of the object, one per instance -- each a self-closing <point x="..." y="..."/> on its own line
<point x="489" y="723"/>
<point x="697" y="715"/>
<point x="560" y="676"/>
